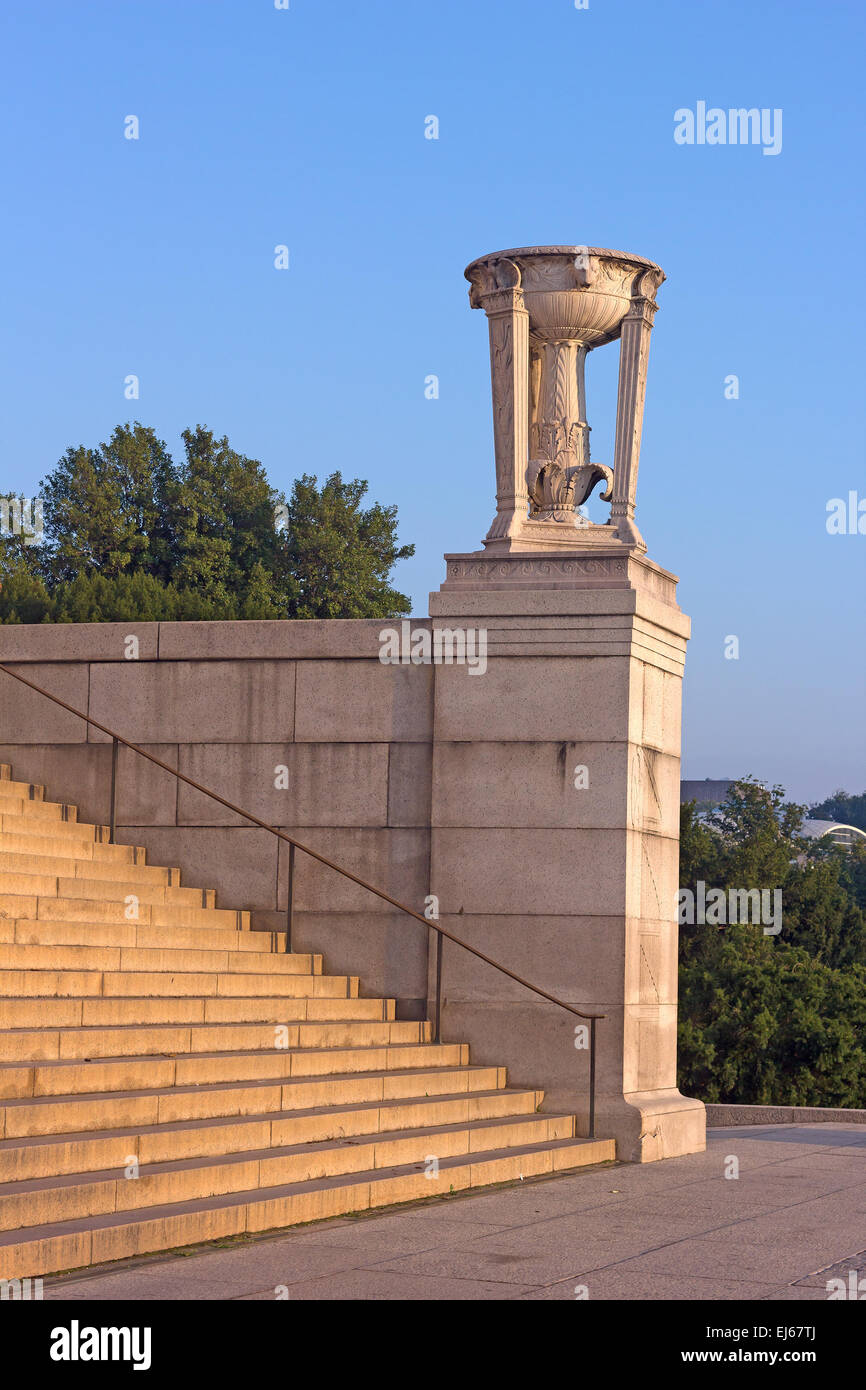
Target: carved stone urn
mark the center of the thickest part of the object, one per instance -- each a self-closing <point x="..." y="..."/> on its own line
<point x="547" y="307"/>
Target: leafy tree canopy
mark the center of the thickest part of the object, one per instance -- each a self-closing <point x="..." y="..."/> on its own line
<point x="847" y="810"/>
<point x="773" y="1018"/>
<point x="338" y="554"/>
<point x="129" y="533"/>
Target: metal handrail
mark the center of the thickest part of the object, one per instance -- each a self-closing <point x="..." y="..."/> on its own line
<point x="293" y="844"/>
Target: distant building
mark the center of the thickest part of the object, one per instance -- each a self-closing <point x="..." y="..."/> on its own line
<point x="709" y="793"/>
<point x="839" y="834"/>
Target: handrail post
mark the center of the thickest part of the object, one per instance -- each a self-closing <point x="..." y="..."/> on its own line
<point x="112" y="825"/>
<point x="290" y="906"/>
<point x="592" y="1078"/>
<point x="438" y="1026"/>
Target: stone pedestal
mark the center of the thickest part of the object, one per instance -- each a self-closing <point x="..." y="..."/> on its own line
<point x="554" y="830"/>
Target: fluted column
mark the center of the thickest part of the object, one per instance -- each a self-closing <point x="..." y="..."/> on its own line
<point x="582" y="350"/>
<point x="562" y="427"/>
<point x="631" y="393"/>
<point x="508" y="322"/>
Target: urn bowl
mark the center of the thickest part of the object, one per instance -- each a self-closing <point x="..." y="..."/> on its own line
<point x="580" y="293"/>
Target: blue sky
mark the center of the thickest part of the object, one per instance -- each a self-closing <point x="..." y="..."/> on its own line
<point x="305" y="127"/>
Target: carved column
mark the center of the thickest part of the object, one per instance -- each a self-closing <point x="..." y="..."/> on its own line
<point x="508" y="321"/>
<point x="562" y="427"/>
<point x="536" y="351"/>
<point x="631" y="393"/>
<point x="582" y="350"/>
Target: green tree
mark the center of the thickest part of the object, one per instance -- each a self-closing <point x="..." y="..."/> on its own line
<point x="847" y="810"/>
<point x="849" y="861"/>
<point x="106" y="509"/>
<point x="771" y="1018"/>
<point x="222" y="520"/>
<point x="128" y="535"/>
<point x="748" y="842"/>
<point x="93" y="598"/>
<point x="764" y="1023"/>
<point x="336" y="555"/>
<point x="23" y="595"/>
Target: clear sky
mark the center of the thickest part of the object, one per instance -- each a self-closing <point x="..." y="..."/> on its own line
<point x="305" y="127"/>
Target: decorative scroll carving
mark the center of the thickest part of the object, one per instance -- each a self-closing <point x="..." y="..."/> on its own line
<point x="535" y="569"/>
<point x="555" y="492"/>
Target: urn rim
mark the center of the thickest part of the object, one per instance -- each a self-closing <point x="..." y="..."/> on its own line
<point x="526" y="251"/>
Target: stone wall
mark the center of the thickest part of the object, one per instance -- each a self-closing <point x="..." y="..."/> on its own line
<point x="228" y="704"/>
<point x="428" y="779"/>
<point x="725" y="1116"/>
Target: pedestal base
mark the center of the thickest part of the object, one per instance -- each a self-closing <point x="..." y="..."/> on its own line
<point x="650" y="1125"/>
<point x="555" y="831"/>
<point x="527" y="536"/>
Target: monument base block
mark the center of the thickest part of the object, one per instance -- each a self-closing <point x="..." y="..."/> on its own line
<point x="649" y="1125"/>
<point x="555" y="831"/>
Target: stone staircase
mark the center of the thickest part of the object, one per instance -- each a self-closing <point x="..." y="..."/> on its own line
<point x="166" y="1078"/>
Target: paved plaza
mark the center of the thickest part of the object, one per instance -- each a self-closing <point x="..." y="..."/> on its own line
<point x="793" y="1219"/>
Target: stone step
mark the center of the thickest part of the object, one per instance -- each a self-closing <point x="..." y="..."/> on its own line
<point x="46" y="826"/>
<point x="97" y="1111"/>
<point x="48" y="1044"/>
<point x="141" y="1023"/>
<point x="38" y="810"/>
<point x="67" y="866"/>
<point x="26" y="931"/>
<point x="86" y="1152"/>
<point x="92" y="1240"/>
<point x="39" y="1201"/>
<point x="29" y="841"/>
<point x="168" y="958"/>
<point x="115" y="891"/>
<point x="20" y="1081"/>
<point x="42" y="1012"/>
<point x="64" y="984"/>
<point x="21" y="791"/>
<point x="60" y="909"/>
